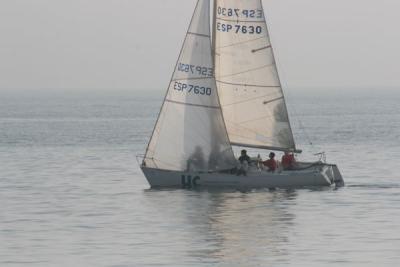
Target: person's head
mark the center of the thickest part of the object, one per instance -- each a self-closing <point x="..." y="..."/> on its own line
<point x="271" y="155"/>
<point x="243" y="152"/>
<point x="287" y="152"/>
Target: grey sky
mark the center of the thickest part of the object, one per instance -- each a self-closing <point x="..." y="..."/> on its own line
<point x="134" y="44"/>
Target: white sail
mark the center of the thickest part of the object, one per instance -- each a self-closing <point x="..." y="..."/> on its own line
<point x="250" y="92"/>
<point x="190" y="133"/>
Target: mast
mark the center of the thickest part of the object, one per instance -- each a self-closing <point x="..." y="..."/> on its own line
<point x="213" y="51"/>
<point x="213" y="22"/>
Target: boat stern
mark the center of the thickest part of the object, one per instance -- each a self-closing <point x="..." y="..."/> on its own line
<point x="333" y="174"/>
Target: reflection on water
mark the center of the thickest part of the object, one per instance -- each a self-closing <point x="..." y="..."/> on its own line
<point x="227" y="227"/>
<point x="249" y="226"/>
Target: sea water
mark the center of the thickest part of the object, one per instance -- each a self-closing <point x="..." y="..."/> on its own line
<point x="72" y="194"/>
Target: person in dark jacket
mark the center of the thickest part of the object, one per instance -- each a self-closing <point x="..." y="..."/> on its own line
<point x="244" y="161"/>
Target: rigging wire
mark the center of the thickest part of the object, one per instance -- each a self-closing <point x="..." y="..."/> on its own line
<point x="302" y="128"/>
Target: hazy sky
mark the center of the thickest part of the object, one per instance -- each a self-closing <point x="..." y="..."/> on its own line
<point x="135" y="43"/>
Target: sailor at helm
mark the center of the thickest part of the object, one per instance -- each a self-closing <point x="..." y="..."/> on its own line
<point x="244" y="162"/>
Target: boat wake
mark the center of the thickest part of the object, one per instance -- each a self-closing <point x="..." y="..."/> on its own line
<point x="375" y="186"/>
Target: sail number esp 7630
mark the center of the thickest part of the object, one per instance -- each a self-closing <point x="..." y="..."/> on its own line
<point x="193" y="89"/>
<point x="237" y="28"/>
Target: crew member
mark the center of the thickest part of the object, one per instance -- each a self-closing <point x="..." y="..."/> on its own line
<point x="271" y="162"/>
<point x="288" y="161"/>
<point x="244" y="161"/>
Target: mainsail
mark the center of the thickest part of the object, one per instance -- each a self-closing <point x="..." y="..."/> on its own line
<point x="250" y="92"/>
<point x="190" y="133"/>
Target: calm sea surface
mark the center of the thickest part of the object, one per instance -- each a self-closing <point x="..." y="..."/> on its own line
<point x="72" y="194"/>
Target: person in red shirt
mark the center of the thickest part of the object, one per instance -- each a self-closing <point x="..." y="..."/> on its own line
<point x="288" y="161"/>
<point x="271" y="162"/>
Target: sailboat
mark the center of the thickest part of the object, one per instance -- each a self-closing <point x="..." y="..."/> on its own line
<point x="225" y="91"/>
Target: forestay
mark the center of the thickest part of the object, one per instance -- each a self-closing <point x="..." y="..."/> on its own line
<point x="248" y="84"/>
<point x="190" y="132"/>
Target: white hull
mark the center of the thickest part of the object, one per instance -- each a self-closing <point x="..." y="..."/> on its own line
<point x="317" y="175"/>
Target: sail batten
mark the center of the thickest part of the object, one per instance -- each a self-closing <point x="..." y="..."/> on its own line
<point x="238" y="21"/>
<point x="195" y="105"/>
<point x="248" y="84"/>
<point x="199" y="34"/>
<point x="262" y="48"/>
